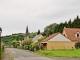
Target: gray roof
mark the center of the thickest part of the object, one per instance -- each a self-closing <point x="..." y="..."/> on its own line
<point x="36" y="37"/>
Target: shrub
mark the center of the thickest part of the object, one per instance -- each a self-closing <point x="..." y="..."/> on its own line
<point x="15" y="43"/>
<point x="77" y="45"/>
<point x="34" y="47"/>
<point x="27" y="42"/>
<point x="19" y="47"/>
<point x="26" y="47"/>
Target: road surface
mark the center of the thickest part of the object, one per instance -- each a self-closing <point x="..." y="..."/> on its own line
<point x="18" y="54"/>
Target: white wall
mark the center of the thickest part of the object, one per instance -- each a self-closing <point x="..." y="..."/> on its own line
<point x="59" y="37"/>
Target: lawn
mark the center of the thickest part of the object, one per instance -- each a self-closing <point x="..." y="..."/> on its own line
<point x="60" y="53"/>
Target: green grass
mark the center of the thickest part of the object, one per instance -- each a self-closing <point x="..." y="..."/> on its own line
<point x="60" y="53"/>
<point x="2" y="52"/>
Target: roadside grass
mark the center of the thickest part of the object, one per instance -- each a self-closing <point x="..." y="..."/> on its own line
<point x="60" y="53"/>
<point x="1" y="52"/>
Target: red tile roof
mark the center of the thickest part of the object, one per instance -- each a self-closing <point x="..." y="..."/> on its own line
<point x="51" y="36"/>
<point x="70" y="32"/>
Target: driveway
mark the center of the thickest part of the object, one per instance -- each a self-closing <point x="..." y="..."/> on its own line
<point x="19" y="54"/>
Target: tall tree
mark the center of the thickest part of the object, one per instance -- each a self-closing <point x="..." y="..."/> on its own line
<point x="38" y="32"/>
<point x="48" y="30"/>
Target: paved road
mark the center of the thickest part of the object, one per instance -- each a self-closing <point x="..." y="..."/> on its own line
<point x="18" y="54"/>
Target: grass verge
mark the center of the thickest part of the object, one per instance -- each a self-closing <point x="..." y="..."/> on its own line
<point x="60" y="53"/>
<point x="10" y="56"/>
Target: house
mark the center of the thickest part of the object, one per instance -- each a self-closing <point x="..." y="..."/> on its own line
<point x="72" y="33"/>
<point x="57" y="41"/>
<point x="66" y="40"/>
<point x="36" y="38"/>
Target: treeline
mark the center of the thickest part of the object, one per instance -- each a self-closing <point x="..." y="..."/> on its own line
<point x="70" y="24"/>
<point x="19" y="36"/>
<point x="53" y="28"/>
<point x="48" y="30"/>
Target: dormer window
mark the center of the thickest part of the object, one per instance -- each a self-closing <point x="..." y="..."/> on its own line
<point x="78" y="35"/>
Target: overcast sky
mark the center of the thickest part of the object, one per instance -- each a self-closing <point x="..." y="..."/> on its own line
<point x="15" y="15"/>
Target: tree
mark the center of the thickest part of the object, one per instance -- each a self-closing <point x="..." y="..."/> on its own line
<point x="38" y="32"/>
<point x="48" y="30"/>
<point x="39" y="40"/>
<point x="71" y="24"/>
<point x="27" y="42"/>
<point x="15" y="43"/>
<point x="77" y="45"/>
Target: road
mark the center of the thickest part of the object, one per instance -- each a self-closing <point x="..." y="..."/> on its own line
<point x="18" y="54"/>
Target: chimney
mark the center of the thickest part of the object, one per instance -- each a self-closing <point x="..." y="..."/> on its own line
<point x="64" y="27"/>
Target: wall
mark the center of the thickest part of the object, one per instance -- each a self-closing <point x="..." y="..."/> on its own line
<point x="60" y="45"/>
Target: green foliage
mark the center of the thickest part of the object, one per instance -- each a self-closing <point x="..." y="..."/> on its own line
<point x="27" y="42"/>
<point x="34" y="47"/>
<point x="1" y="51"/>
<point x="26" y="47"/>
<point x="60" y="53"/>
<point x="15" y="43"/>
<point x="70" y="24"/>
<point x="49" y="29"/>
<point x="39" y="40"/>
<point x="8" y="39"/>
<point x="32" y="35"/>
<point x="20" y="36"/>
<point x="77" y="45"/>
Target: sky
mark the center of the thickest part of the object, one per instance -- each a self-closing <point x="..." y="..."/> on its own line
<point x="15" y="15"/>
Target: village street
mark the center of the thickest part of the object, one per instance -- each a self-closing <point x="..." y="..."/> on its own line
<point x="18" y="54"/>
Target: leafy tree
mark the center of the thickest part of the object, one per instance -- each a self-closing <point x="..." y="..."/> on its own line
<point x="39" y="40"/>
<point x="27" y="42"/>
<point x="15" y="43"/>
<point x="77" y="45"/>
<point x="49" y="29"/>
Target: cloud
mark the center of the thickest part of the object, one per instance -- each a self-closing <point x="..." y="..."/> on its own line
<point x="15" y="15"/>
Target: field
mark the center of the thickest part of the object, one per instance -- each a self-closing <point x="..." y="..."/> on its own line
<point x="60" y="53"/>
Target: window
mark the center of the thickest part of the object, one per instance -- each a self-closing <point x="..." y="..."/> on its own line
<point x="77" y="35"/>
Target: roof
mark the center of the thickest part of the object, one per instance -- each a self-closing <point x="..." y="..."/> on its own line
<point x="36" y="37"/>
<point x="70" y="32"/>
<point x="51" y="36"/>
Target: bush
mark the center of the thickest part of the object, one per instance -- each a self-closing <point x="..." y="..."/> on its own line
<point x="15" y="43"/>
<point x="77" y="45"/>
<point x="34" y="47"/>
<point x="19" y="47"/>
<point x="26" y="47"/>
